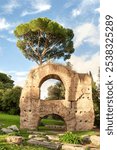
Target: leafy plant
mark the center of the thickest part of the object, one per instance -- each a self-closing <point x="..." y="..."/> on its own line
<point x="69" y="137"/>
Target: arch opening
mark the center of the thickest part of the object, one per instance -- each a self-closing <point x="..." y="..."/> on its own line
<point x="52" y="122"/>
<point x="51" y="87"/>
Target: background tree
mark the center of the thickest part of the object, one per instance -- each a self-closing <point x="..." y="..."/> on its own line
<point x="10" y="100"/>
<point x="5" y="81"/>
<point x="56" y="92"/>
<point x="42" y="39"/>
<point x="96" y="101"/>
<point x="9" y="95"/>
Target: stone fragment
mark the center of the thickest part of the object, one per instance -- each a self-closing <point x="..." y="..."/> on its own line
<point x="72" y="147"/>
<point x="51" y="145"/>
<point x="40" y="138"/>
<point x="95" y="140"/>
<point x="13" y="127"/>
<point x="32" y="136"/>
<point x="86" y="139"/>
<point x="52" y="137"/>
<point x="6" y="130"/>
<point x="14" y="139"/>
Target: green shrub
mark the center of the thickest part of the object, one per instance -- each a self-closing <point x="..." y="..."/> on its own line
<point x="69" y="137"/>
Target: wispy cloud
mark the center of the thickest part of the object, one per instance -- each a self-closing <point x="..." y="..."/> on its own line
<point x="13" y="40"/>
<point x="86" y="32"/>
<point x="18" y="76"/>
<point x="70" y="3"/>
<point x="0" y="51"/>
<point x="97" y="10"/>
<point x="4" y="25"/>
<point x="37" y="7"/>
<point x="89" y="63"/>
<point x="75" y="12"/>
<point x="84" y="7"/>
<point x="10" y="6"/>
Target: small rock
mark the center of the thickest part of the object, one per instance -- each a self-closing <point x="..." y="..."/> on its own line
<point x="72" y="147"/>
<point x="14" y="139"/>
<point x="39" y="138"/>
<point x="32" y="136"/>
<point x="13" y="127"/>
<point x="95" y="140"/>
<point x="52" y="137"/>
<point x="51" y="145"/>
<point x="86" y="139"/>
<point x="6" y="130"/>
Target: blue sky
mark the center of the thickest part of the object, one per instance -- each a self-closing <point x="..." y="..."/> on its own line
<point x="80" y="15"/>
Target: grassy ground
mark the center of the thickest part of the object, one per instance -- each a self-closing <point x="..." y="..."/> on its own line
<point x="8" y="120"/>
<point x="52" y="122"/>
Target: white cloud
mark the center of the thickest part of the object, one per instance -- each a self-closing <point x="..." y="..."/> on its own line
<point x="70" y="3"/>
<point x="10" y="6"/>
<point x="86" y="32"/>
<point x="13" y="40"/>
<point x="97" y="9"/>
<point x="11" y="31"/>
<point x="0" y="51"/>
<point x="19" y="77"/>
<point x="37" y="7"/>
<point x="84" y="6"/>
<point x="75" y="12"/>
<point x="4" y="25"/>
<point x="84" y="64"/>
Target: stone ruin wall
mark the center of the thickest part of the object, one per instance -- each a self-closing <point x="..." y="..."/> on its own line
<point x="77" y="107"/>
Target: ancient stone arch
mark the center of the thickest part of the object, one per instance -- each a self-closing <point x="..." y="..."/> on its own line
<point x="77" y="107"/>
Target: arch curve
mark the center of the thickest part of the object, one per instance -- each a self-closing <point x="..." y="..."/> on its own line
<point x="64" y="125"/>
<point x="49" y="76"/>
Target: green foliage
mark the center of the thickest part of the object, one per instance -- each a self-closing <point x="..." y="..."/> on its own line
<point x="69" y="137"/>
<point x="52" y="122"/>
<point x="10" y="100"/>
<point x="87" y="148"/>
<point x="96" y="101"/>
<point x="9" y="95"/>
<point x="56" y="91"/>
<point x="42" y="39"/>
<point x="5" y="81"/>
<point x="6" y="146"/>
<point x="8" y="120"/>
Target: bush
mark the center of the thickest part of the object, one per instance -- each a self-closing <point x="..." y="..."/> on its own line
<point x="9" y="102"/>
<point x="71" y="138"/>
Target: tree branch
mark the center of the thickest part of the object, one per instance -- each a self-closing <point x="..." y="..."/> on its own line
<point x="45" y="47"/>
<point x="36" y="53"/>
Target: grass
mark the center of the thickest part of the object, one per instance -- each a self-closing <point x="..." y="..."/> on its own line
<point x="83" y="133"/>
<point x="52" y="122"/>
<point x="8" y="120"/>
<point x="76" y="137"/>
<point x="5" y="146"/>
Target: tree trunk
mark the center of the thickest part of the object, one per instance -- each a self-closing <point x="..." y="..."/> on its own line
<point x="40" y="60"/>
